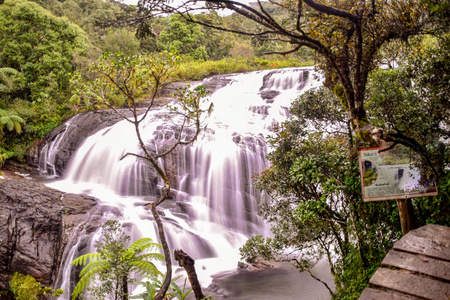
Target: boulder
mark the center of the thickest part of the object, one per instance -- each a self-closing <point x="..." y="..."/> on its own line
<point x="35" y="223"/>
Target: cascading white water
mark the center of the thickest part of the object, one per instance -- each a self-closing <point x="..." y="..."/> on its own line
<point x="215" y="207"/>
<point x="48" y="152"/>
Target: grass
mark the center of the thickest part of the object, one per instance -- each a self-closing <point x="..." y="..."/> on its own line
<point x="198" y="70"/>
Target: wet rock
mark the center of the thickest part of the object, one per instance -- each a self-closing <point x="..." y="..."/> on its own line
<point x="35" y="223"/>
<point x="268" y="96"/>
<point x="211" y="84"/>
<point x="75" y="131"/>
<point x="257" y="265"/>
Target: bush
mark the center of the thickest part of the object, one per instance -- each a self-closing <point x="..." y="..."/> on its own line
<point x="26" y="287"/>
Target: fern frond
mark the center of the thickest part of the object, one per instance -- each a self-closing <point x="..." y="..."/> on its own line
<point x="151" y="256"/>
<point x="81" y="260"/>
<point x="93" y="266"/>
<point x="6" y="83"/>
<point x="144" y="244"/>
<point x="17" y="127"/>
<point x="11" y="121"/>
<point x="84" y="280"/>
<point x="145" y="267"/>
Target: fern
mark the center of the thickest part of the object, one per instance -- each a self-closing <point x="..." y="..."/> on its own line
<point x="145" y="267"/>
<point x="86" y="278"/>
<point x="6" y="82"/>
<point x="11" y="121"/>
<point x="151" y="256"/>
<point x="115" y="262"/>
<point x="82" y="260"/>
<point x="144" y="244"/>
<point x="94" y="266"/>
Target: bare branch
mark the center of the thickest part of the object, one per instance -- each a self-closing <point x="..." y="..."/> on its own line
<point x="329" y="10"/>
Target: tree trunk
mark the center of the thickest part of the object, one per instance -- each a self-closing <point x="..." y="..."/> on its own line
<point x="187" y="263"/>
<point x="165" y="286"/>
<point x="124" y="288"/>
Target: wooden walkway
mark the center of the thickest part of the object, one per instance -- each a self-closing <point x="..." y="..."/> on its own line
<point x="418" y="267"/>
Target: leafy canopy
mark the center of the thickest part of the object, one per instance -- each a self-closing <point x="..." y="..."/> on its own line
<point x="40" y="45"/>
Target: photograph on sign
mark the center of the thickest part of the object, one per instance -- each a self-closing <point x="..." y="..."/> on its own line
<point x="390" y="175"/>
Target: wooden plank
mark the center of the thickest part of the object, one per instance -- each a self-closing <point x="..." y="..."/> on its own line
<point x="416" y="244"/>
<point x="418" y="263"/>
<point x="410" y="284"/>
<point x="373" y="294"/>
<point x="436" y="233"/>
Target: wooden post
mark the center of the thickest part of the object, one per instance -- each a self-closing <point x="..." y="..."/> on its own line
<point x="406" y="215"/>
<point x="187" y="263"/>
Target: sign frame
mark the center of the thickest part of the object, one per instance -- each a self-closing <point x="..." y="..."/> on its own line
<point x="382" y="179"/>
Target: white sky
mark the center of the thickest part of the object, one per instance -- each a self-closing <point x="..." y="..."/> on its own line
<point x="133" y="2"/>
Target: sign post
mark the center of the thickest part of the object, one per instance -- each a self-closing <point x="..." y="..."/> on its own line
<point x="406" y="215"/>
<point x="389" y="175"/>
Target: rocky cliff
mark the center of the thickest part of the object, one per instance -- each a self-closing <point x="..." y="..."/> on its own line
<point x="35" y="223"/>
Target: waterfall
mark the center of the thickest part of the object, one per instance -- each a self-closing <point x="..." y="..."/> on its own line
<point x="214" y="204"/>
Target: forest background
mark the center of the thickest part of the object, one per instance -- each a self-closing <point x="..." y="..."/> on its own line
<point x="43" y="42"/>
<point x="314" y="180"/>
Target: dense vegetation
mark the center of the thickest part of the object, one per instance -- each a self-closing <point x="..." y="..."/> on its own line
<point x="314" y="183"/>
<point x="42" y="42"/>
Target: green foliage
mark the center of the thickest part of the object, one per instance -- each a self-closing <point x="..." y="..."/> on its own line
<point x="25" y="287"/>
<point x="121" y="40"/>
<point x="11" y="121"/>
<point x="6" y="81"/>
<point x="40" y="45"/>
<point x="128" y="78"/>
<point x="197" y="70"/>
<point x="182" y="37"/>
<point x="153" y="285"/>
<point x="114" y="263"/>
<point x="258" y="247"/>
<point x="411" y="104"/>
<point x="316" y="208"/>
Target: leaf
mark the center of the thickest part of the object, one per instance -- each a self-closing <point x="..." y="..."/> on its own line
<point x="145" y="267"/>
<point x="144" y="244"/>
<point x="84" y="280"/>
<point x="81" y="260"/>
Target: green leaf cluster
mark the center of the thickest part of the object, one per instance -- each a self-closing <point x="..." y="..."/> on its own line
<point x="26" y="287"/>
<point x="316" y="208"/>
<point x="114" y="263"/>
<point x="153" y="285"/>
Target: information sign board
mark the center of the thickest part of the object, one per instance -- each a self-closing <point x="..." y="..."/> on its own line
<point x="389" y="175"/>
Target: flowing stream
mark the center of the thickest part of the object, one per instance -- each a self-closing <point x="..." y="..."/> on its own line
<point x="214" y="204"/>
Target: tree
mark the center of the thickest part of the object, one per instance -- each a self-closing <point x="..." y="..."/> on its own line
<point x="133" y="77"/>
<point x="40" y="46"/>
<point x="412" y="103"/>
<point x="316" y="208"/>
<point x="121" y="40"/>
<point x="114" y="263"/>
<point x="346" y="35"/>
<point x="183" y="38"/>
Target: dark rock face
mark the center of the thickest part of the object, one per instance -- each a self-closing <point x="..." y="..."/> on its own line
<point x="35" y="223"/>
<point x="211" y="84"/>
<point x="75" y="131"/>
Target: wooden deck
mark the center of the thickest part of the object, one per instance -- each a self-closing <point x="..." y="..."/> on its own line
<point x="418" y="267"/>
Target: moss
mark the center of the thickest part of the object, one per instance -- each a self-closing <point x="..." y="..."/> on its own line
<point x="339" y="92"/>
